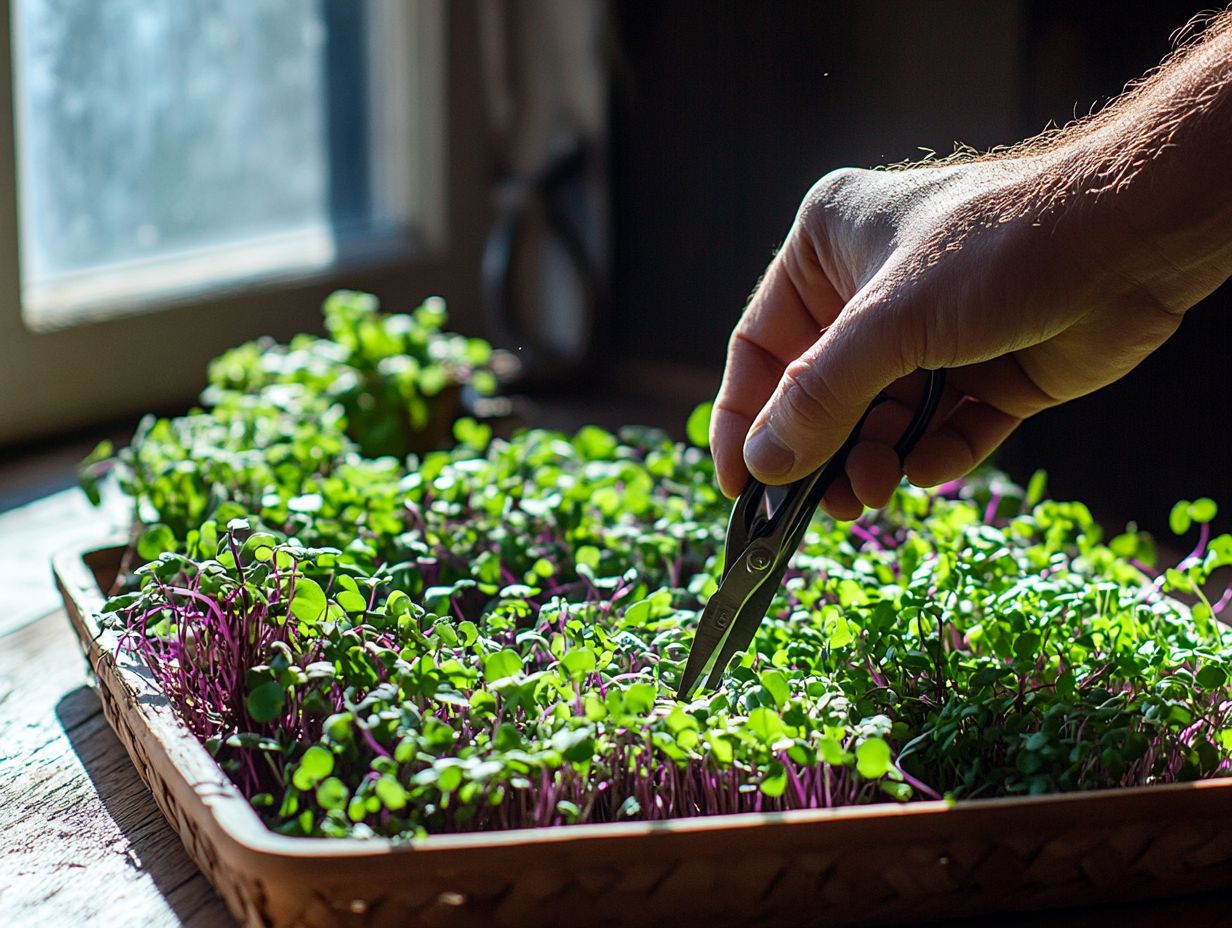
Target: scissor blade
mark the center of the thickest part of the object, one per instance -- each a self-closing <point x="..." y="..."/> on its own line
<point x="777" y="495"/>
<point x="721" y="614"/>
<point x="707" y="640"/>
<point x="744" y="628"/>
<point x="717" y="639"/>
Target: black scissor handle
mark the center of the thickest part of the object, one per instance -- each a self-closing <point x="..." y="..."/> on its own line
<point x="934" y="386"/>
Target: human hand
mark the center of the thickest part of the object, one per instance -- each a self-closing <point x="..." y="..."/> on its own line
<point x="1028" y="298"/>
<point x="1033" y="277"/>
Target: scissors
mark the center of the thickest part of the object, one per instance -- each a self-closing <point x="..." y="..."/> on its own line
<point x="766" y="526"/>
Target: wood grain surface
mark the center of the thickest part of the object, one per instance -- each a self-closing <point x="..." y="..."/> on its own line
<point x="81" y="841"/>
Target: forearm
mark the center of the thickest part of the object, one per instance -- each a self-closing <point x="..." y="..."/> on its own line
<point x="1154" y="170"/>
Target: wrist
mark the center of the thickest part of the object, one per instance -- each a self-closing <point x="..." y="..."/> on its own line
<point x="1147" y="179"/>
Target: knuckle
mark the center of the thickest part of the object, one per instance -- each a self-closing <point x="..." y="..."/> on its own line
<point x="826" y="234"/>
<point x="827" y="193"/>
<point x="834" y="184"/>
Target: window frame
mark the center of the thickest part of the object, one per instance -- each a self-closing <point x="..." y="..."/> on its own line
<point x="114" y="358"/>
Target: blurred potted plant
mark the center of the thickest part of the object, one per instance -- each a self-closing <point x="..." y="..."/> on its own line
<point x="399" y="377"/>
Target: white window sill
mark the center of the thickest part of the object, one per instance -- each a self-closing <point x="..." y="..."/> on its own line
<point x="197" y="274"/>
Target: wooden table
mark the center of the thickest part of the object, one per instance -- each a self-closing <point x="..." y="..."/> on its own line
<point x="82" y="843"/>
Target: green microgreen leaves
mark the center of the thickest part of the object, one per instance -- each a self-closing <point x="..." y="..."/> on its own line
<point x="154" y="541"/>
<point x="501" y="665"/>
<point x="308" y="602"/>
<point x="973" y="659"/>
<point x="489" y="637"/>
<point x="316" y="764"/>
<point x="873" y="758"/>
<point x="1186" y="513"/>
<point x="266" y="701"/>
<point x="697" y="428"/>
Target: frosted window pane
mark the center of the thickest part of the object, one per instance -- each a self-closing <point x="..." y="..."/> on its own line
<point x="149" y="127"/>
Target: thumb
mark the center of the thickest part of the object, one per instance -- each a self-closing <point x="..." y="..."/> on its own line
<point x="823" y="393"/>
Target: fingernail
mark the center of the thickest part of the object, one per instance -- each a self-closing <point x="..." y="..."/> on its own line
<point x="768" y="456"/>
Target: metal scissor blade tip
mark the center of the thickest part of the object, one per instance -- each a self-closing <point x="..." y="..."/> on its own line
<point x="692" y="673"/>
<point x="713" y="628"/>
<point x="700" y="655"/>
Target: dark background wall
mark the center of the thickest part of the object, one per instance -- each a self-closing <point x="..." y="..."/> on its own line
<point x="724" y="113"/>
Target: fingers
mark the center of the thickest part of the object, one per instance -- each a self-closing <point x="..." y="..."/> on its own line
<point x="750" y="376"/>
<point x="823" y="393"/>
<point x="964" y="431"/>
<point x="960" y="442"/>
<point x="873" y="470"/>
<point x="776" y="328"/>
<point x="841" y="502"/>
<point x="991" y="399"/>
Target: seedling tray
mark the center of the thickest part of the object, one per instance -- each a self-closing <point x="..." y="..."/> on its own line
<point x="873" y="864"/>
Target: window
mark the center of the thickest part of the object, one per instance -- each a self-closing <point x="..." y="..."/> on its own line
<point x="178" y="176"/>
<point x="170" y="147"/>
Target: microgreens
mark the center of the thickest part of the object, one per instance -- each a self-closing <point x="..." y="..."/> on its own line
<point x="489" y="636"/>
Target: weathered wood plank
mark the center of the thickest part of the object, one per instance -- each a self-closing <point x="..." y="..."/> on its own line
<point x="81" y="841"/>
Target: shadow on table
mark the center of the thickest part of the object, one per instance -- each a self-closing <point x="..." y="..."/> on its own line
<point x="151" y="840"/>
